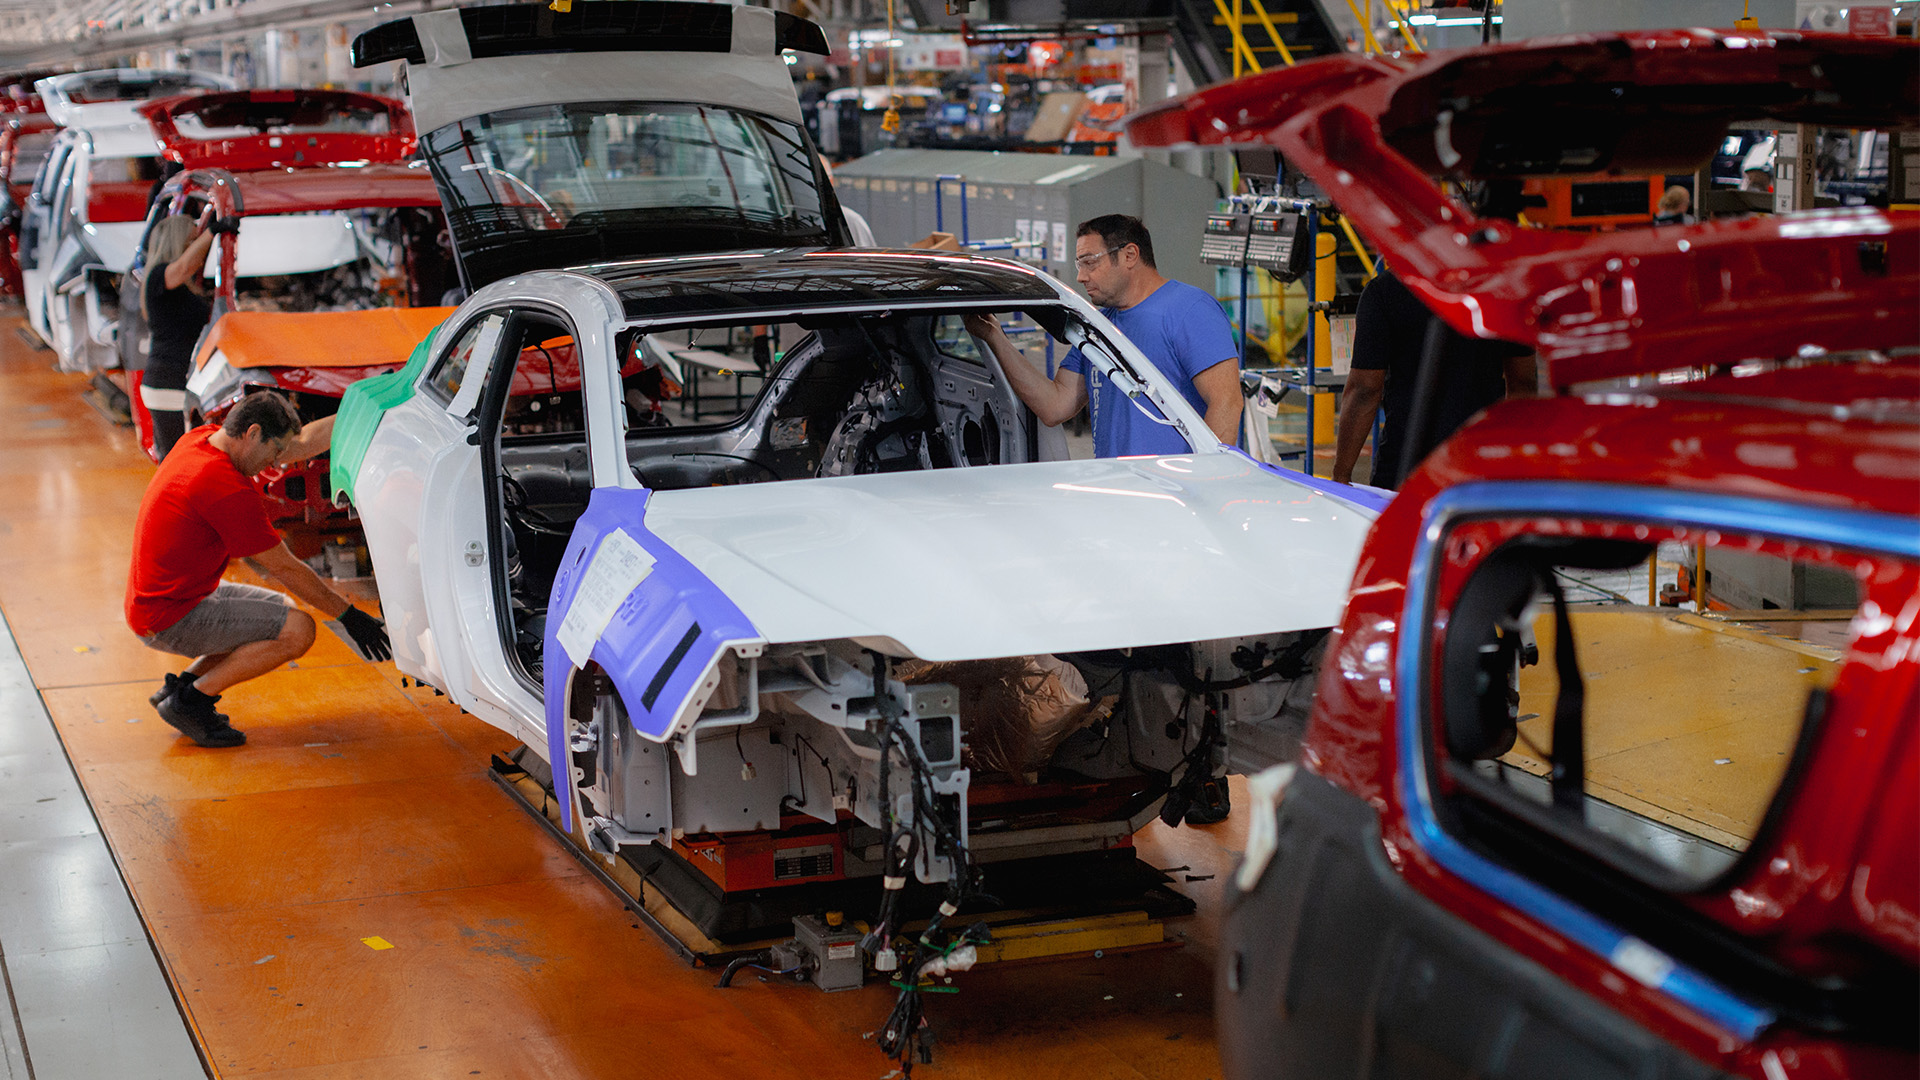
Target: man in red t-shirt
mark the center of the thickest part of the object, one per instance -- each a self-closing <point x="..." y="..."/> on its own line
<point x="200" y="511"/>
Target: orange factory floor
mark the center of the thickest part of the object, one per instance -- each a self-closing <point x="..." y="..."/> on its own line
<point x="349" y="895"/>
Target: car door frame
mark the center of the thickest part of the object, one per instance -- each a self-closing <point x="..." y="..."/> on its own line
<point x="36" y="223"/>
<point x="451" y="501"/>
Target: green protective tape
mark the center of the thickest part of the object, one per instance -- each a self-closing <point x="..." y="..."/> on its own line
<point x="361" y="408"/>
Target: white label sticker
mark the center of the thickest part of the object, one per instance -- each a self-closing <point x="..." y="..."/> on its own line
<point x="842" y="952"/>
<point x="1642" y="961"/>
<point x="618" y="567"/>
<point x="1060" y="241"/>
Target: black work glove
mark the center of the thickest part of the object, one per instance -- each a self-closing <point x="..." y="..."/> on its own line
<point x="224" y="225"/>
<point x="368" y="633"/>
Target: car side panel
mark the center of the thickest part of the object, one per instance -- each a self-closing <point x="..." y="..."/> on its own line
<point x="1333" y="966"/>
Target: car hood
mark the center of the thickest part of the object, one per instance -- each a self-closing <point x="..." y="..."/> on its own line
<point x="1373" y="132"/>
<point x="1013" y="560"/>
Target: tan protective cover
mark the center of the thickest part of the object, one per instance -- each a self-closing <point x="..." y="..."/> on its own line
<point x="319" y="339"/>
<point x="1016" y="711"/>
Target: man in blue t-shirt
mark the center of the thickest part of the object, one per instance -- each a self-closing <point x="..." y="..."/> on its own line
<point x="1181" y="329"/>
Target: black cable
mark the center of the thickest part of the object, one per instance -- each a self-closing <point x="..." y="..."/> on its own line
<point x="738" y="962"/>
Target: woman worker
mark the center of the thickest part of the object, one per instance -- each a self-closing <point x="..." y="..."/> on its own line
<point x="174" y="301"/>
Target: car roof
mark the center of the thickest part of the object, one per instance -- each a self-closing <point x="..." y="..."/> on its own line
<point x="814" y="280"/>
<point x="1596" y="305"/>
<point x="320" y="187"/>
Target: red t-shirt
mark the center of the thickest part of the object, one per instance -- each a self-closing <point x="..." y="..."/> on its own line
<point x="199" y="512"/>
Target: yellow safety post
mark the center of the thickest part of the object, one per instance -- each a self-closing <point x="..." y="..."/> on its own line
<point x="1323" y="289"/>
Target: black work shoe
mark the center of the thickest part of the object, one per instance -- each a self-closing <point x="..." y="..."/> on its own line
<point x="166" y="690"/>
<point x="194" y="717"/>
<point x="173" y="683"/>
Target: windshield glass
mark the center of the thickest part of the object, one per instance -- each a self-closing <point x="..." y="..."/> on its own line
<point x="561" y="185"/>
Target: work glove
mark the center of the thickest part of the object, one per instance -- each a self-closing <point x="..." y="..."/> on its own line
<point x="368" y="633"/>
<point x="224" y="225"/>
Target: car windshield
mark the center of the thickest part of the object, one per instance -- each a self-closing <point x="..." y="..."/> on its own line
<point x="556" y="185"/>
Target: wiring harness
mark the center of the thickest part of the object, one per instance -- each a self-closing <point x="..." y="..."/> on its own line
<point x="937" y="950"/>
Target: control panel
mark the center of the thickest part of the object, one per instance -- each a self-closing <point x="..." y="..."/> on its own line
<point x="1278" y="243"/>
<point x="1225" y="241"/>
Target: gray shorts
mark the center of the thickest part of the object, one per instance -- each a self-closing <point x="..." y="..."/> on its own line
<point x="232" y="616"/>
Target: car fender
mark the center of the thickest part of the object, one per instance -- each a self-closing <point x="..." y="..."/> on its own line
<point x="661" y="643"/>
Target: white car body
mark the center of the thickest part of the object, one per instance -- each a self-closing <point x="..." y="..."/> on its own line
<point x="921" y="512"/>
<point x="68" y="262"/>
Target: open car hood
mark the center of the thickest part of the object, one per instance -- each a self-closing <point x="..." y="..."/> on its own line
<point x="621" y="129"/>
<point x="962" y="564"/>
<point x="1373" y="132"/>
<point x="266" y="129"/>
<point x="72" y="98"/>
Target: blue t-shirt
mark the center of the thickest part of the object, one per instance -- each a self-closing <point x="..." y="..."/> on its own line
<point x="1184" y="332"/>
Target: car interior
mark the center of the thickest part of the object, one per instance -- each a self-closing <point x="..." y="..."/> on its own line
<point x="853" y="394"/>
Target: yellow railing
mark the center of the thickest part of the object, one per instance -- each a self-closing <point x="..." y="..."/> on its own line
<point x="1398" y="11"/>
<point x="1396" y="14"/>
<point x="1242" y="48"/>
<point x="1245" y="61"/>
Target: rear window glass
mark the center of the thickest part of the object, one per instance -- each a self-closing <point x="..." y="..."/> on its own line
<point x="605" y="180"/>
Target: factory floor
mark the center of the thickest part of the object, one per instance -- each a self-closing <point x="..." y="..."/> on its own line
<point x="349" y="895"/>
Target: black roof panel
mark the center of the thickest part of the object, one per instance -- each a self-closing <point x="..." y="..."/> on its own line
<point x="798" y="280"/>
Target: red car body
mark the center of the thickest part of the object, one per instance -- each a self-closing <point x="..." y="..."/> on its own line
<point x="23" y="119"/>
<point x="1750" y="383"/>
<point x="266" y="153"/>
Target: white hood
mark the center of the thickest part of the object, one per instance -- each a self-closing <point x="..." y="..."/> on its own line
<point x="960" y="564"/>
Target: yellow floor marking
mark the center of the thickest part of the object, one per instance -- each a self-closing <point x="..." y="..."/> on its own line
<point x="377" y="943"/>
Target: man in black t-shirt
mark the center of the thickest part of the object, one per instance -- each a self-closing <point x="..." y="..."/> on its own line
<point x="1389" y="336"/>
